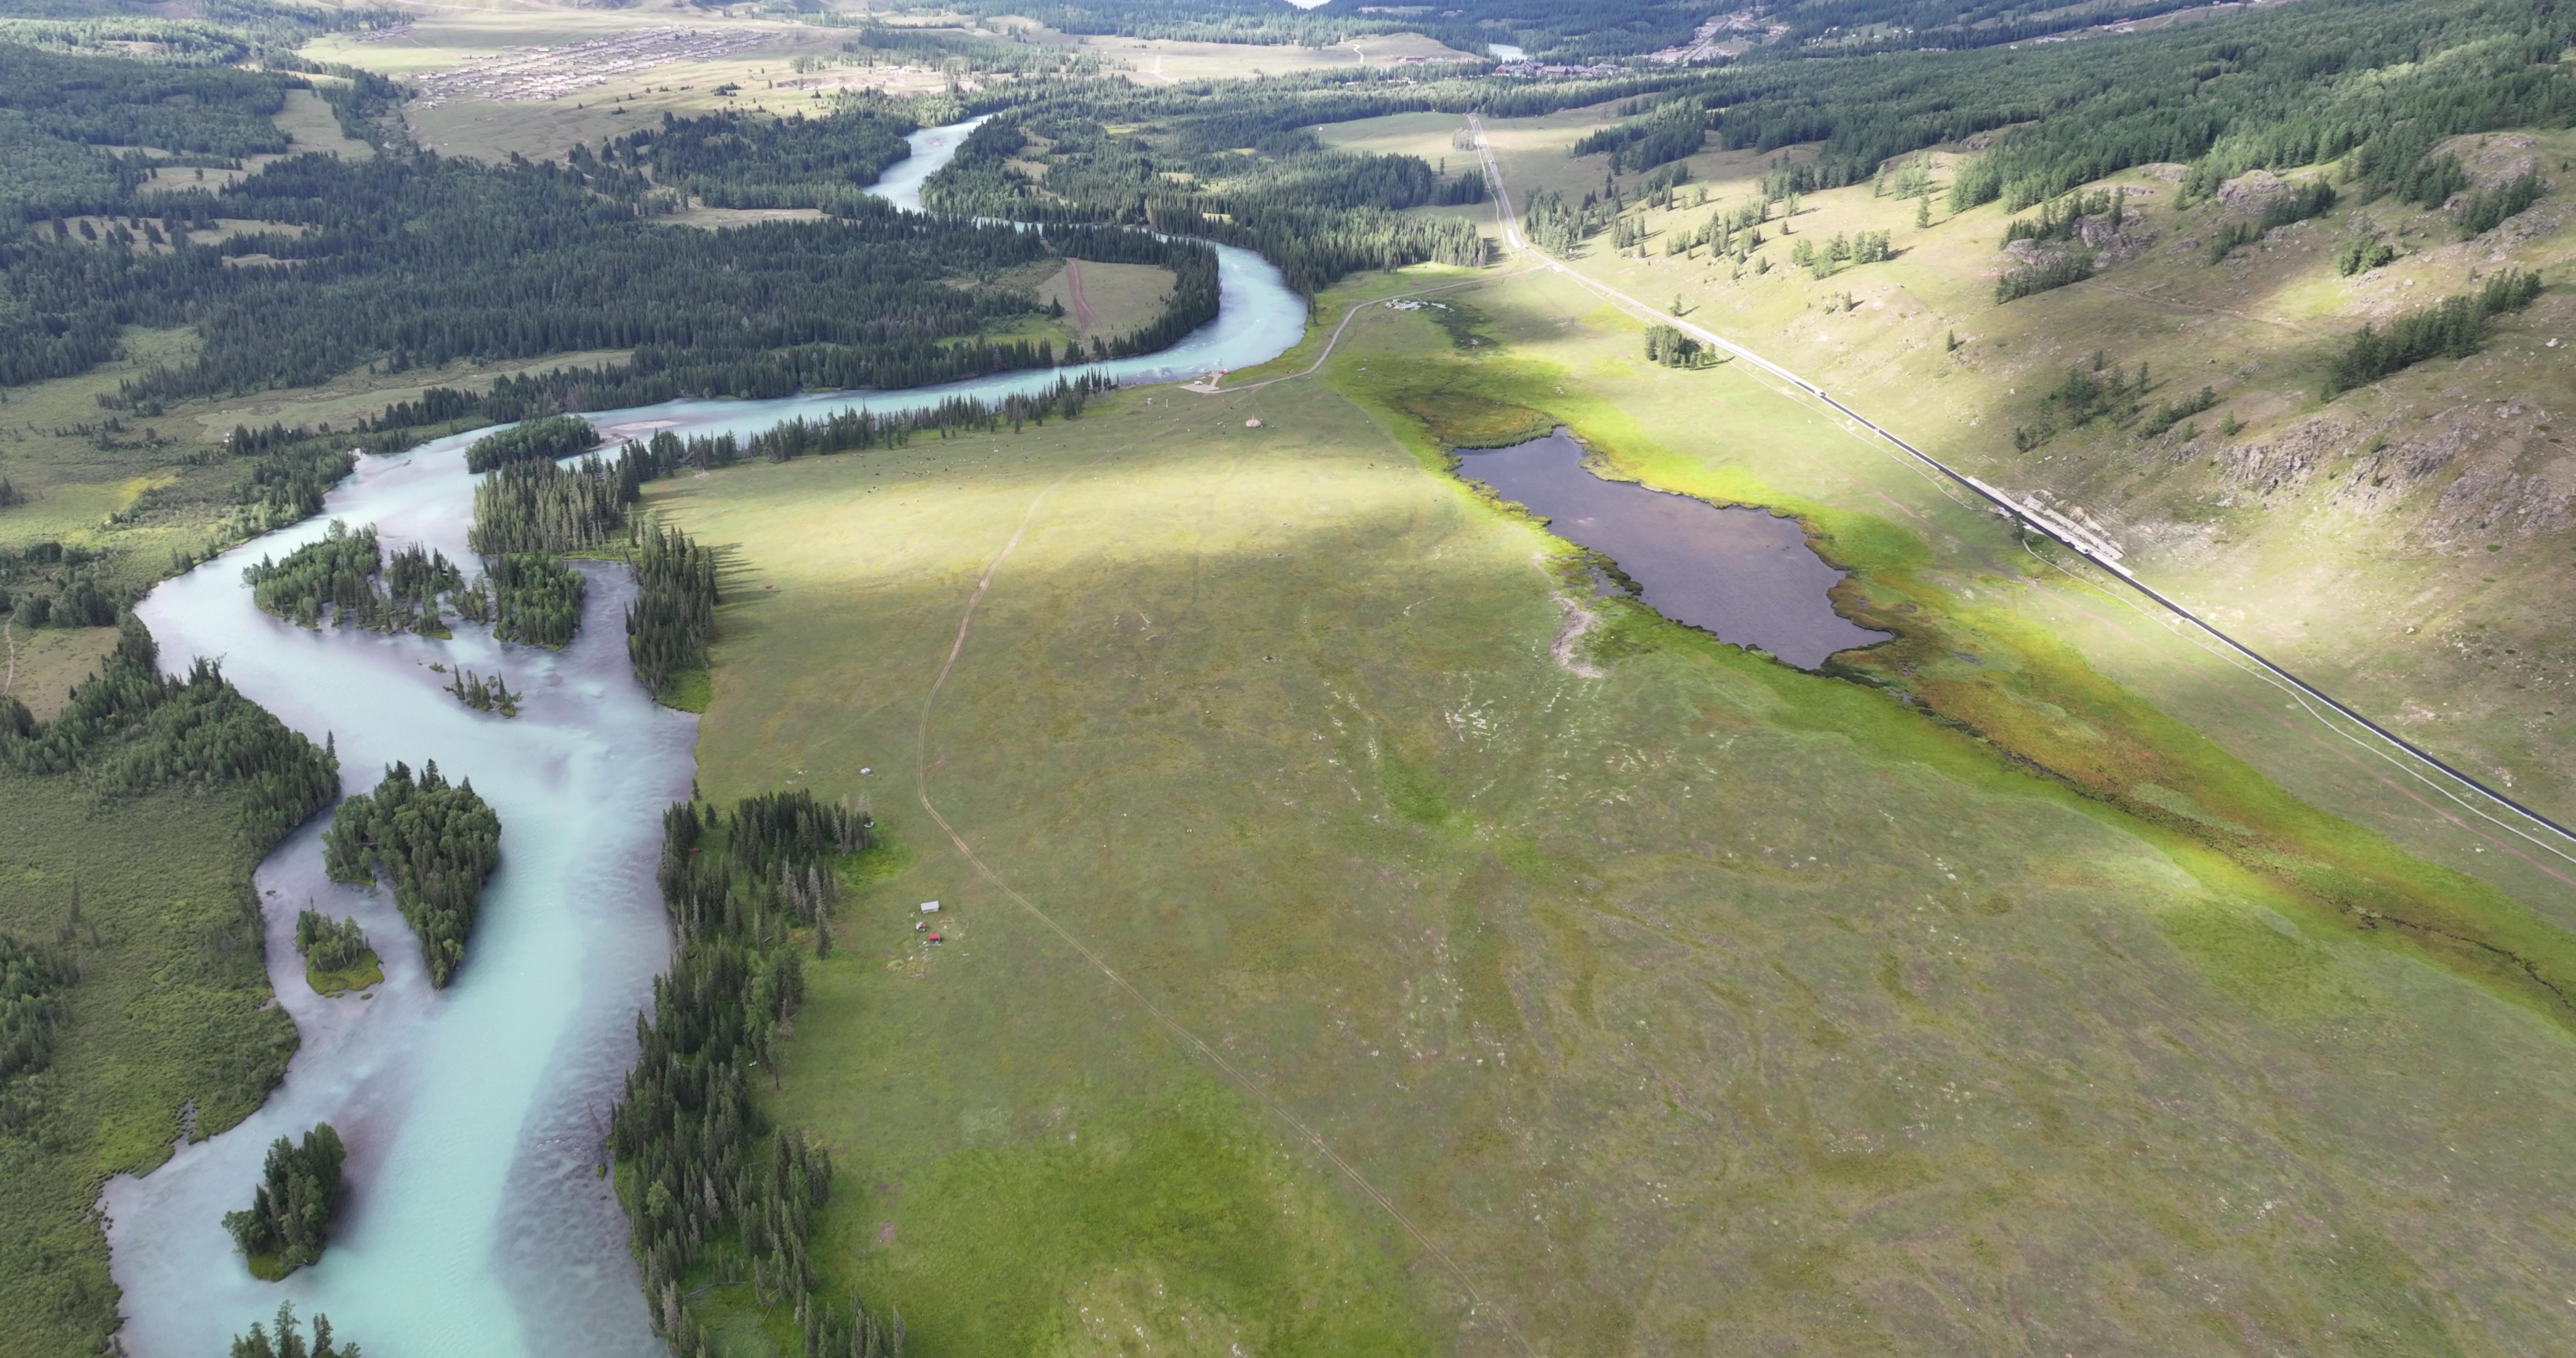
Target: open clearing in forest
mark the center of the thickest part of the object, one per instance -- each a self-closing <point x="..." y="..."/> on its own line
<point x="1705" y="1005"/>
<point x="39" y="665"/>
<point x="1107" y="300"/>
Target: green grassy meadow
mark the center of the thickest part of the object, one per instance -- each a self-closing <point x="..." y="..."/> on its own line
<point x="1705" y="1005"/>
<point x="169" y="1029"/>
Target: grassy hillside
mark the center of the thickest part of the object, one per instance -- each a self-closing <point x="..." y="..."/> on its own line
<point x="1701" y="1005"/>
<point x="2406" y="544"/>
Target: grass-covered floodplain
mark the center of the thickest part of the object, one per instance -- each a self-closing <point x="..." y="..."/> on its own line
<point x="170" y="1030"/>
<point x="1702" y="1006"/>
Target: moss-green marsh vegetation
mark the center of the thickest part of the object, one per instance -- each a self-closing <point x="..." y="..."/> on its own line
<point x="1705" y="1004"/>
<point x="167" y="1033"/>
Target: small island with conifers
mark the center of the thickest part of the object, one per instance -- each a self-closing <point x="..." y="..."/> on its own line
<point x="437" y="841"/>
<point x="337" y="959"/>
<point x="289" y="1217"/>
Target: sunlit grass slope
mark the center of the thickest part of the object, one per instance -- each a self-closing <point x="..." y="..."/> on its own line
<point x="2406" y="544"/>
<point x="1705" y="1006"/>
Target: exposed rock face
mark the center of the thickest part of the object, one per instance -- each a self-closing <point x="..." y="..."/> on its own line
<point x="2285" y="462"/>
<point x="2492" y="499"/>
<point x="2132" y="237"/>
<point x="2495" y="481"/>
<point x="2252" y="189"/>
<point x="2381" y="478"/>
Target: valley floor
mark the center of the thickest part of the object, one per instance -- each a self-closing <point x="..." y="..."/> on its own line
<point x="1331" y="964"/>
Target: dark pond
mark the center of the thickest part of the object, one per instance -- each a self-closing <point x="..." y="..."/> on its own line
<point x="1742" y="574"/>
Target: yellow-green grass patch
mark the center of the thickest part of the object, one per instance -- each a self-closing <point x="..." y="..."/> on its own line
<point x="43" y="663"/>
<point x="368" y="970"/>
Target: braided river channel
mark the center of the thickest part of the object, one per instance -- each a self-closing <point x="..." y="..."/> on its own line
<point x="478" y="1219"/>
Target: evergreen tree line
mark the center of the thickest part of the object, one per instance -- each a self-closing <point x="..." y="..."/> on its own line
<point x="2486" y="209"/>
<point x="484" y="694"/>
<point x="673" y="618"/>
<point x="288" y="1341"/>
<point x="289" y="1218"/>
<point x="849" y="430"/>
<point x="2074" y="266"/>
<point x="732" y="160"/>
<point x="953" y="52"/>
<point x="545" y="506"/>
<point x="707" y="1181"/>
<point x="289" y="474"/>
<point x="2314" y="198"/>
<point x="32" y="981"/>
<point x="437" y="841"/>
<point x="329" y="944"/>
<point x="134" y="728"/>
<point x="2059" y="218"/>
<point x="408" y="260"/>
<point x="1318" y="214"/>
<point x="2380" y="81"/>
<point x="535" y="599"/>
<point x="545" y="438"/>
<point x="348" y="573"/>
<point x="1568" y="32"/>
<point x="1673" y="130"/>
<point x="2452" y="328"/>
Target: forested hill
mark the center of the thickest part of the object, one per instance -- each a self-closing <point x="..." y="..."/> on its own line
<point x="1242" y="163"/>
<point x="412" y="259"/>
<point x="2282" y="87"/>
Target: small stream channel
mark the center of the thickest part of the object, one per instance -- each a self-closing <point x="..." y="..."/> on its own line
<point x="1746" y="575"/>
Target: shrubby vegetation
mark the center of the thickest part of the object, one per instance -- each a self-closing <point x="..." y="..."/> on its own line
<point x="1667" y="345"/>
<point x="714" y="1191"/>
<point x="437" y="841"/>
<point x="289" y="1218"/>
<point x="484" y="694"/>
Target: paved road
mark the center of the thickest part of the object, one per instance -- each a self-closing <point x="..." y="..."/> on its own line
<point x="2558" y="840"/>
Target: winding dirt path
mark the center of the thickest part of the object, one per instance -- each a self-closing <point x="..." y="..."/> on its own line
<point x="1075" y="300"/>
